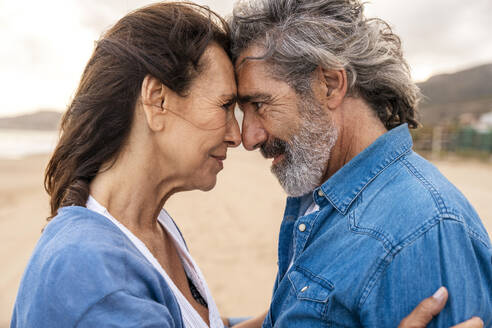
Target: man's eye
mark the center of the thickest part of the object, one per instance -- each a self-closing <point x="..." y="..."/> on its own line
<point x="257" y="105"/>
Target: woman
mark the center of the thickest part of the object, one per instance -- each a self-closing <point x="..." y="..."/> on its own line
<point x="153" y="115"/>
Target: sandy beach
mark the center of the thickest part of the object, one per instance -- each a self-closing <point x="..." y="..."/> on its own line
<point x="231" y="231"/>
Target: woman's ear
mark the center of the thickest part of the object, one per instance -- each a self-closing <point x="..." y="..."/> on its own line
<point x="332" y="87"/>
<point x="153" y="95"/>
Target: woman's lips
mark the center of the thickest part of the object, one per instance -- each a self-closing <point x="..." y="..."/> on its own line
<point x="220" y="160"/>
<point x="221" y="164"/>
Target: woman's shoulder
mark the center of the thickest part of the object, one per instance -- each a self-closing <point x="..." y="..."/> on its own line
<point x="77" y="220"/>
<point x="81" y="243"/>
<point x="78" y="236"/>
<point x="80" y="259"/>
<point x="76" y="250"/>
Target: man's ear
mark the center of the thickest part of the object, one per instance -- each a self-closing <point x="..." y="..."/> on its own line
<point x="153" y="94"/>
<point x="332" y="86"/>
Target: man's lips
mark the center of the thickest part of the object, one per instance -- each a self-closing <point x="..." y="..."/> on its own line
<point x="277" y="159"/>
<point x="274" y="148"/>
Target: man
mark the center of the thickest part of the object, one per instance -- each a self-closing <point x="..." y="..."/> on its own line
<point x="370" y="228"/>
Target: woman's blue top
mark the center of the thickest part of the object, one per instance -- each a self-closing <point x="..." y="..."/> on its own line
<point x="85" y="272"/>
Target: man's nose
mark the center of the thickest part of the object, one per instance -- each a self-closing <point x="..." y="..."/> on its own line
<point x="254" y="134"/>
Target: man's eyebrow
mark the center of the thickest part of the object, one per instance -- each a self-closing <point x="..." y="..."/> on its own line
<point x="255" y="97"/>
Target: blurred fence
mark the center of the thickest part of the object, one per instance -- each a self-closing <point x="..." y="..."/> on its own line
<point x="461" y="140"/>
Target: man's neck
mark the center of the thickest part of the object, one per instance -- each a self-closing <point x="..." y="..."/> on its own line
<point x="358" y="128"/>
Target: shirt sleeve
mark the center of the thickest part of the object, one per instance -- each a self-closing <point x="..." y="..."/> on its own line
<point x="121" y="309"/>
<point x="447" y="255"/>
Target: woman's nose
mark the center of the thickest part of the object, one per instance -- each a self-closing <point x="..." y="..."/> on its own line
<point x="233" y="134"/>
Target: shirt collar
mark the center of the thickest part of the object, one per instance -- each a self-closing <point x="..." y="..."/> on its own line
<point x="348" y="182"/>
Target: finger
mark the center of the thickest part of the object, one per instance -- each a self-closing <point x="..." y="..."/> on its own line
<point x="474" y="322"/>
<point x="426" y="310"/>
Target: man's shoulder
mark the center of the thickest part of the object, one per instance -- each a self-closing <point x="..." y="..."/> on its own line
<point x="410" y="197"/>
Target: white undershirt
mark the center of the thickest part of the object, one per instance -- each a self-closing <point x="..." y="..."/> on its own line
<point x="311" y="209"/>
<point x="190" y="316"/>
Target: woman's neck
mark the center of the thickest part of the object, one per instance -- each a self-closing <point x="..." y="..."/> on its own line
<point x="134" y="191"/>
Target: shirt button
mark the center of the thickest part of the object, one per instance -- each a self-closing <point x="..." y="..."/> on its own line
<point x="302" y="227"/>
<point x="304" y="289"/>
<point x="321" y="193"/>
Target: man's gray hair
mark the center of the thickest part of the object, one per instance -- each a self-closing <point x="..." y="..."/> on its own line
<point x="301" y="35"/>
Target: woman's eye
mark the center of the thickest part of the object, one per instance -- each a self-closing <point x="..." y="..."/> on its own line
<point x="228" y="105"/>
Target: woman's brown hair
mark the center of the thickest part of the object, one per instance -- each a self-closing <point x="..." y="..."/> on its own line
<point x="165" y="40"/>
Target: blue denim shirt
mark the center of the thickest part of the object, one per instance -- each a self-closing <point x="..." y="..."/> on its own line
<point x="391" y="229"/>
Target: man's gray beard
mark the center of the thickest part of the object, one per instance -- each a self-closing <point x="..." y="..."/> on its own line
<point x="307" y="153"/>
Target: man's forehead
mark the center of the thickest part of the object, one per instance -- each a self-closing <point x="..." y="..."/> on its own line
<point x="253" y="83"/>
<point x="253" y="51"/>
<point x="253" y="73"/>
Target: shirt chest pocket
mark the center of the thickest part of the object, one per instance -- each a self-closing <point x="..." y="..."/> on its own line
<point x="312" y="292"/>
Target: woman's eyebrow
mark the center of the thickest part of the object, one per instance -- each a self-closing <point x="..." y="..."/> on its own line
<point x="230" y="98"/>
<point x="255" y="97"/>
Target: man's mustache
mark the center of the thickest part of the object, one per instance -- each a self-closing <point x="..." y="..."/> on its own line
<point x="273" y="148"/>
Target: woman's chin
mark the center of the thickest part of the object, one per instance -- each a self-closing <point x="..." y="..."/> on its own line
<point x="207" y="184"/>
<point x="208" y="188"/>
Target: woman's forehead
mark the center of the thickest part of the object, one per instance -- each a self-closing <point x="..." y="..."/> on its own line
<point x="217" y="75"/>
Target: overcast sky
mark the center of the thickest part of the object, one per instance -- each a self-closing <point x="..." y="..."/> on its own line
<point x="45" y="44"/>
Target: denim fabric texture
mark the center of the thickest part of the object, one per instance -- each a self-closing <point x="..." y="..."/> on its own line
<point x="390" y="231"/>
<point x="84" y="272"/>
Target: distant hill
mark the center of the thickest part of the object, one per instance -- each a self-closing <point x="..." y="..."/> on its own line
<point x="42" y="120"/>
<point x="447" y="96"/>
